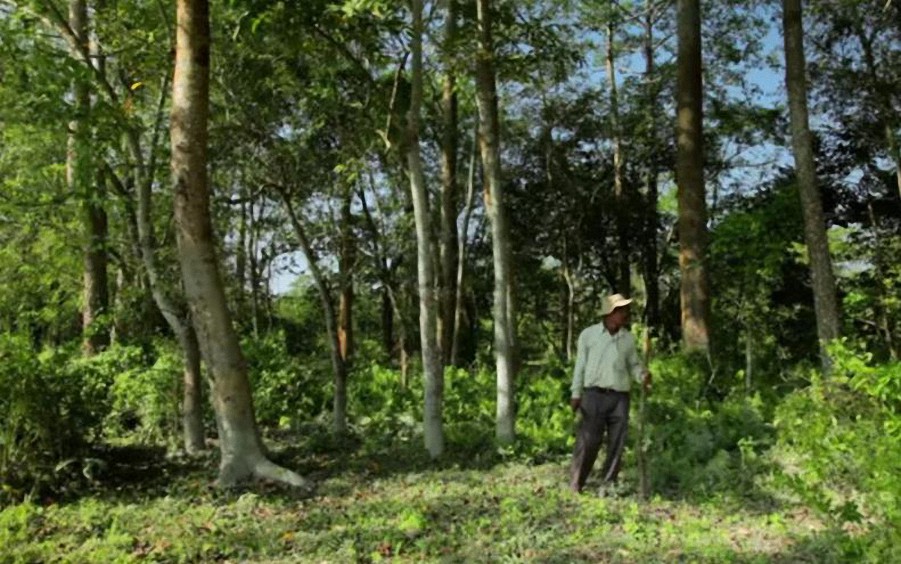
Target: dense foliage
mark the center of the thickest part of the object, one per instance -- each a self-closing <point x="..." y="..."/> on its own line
<point x="315" y="236"/>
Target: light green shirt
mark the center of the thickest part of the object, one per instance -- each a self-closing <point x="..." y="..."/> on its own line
<point x="606" y="361"/>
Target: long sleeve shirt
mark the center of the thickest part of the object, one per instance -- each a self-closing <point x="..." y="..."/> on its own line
<point x="606" y="361"/>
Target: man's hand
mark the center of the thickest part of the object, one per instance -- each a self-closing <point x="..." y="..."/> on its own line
<point x="575" y="403"/>
<point x="646" y="381"/>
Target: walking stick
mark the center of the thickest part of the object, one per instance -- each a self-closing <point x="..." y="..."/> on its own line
<point x="644" y="484"/>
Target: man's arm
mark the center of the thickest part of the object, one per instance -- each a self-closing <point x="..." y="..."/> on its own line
<point x="579" y="373"/>
<point x="637" y="369"/>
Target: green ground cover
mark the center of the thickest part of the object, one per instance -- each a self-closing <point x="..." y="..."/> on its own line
<point x="395" y="506"/>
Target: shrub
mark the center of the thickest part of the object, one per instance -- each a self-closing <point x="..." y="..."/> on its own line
<point x="286" y="390"/>
<point x="145" y="394"/>
<point x="839" y="447"/>
<point x="698" y="446"/>
<point x="53" y="404"/>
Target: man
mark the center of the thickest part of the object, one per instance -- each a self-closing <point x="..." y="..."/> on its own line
<point x="606" y="363"/>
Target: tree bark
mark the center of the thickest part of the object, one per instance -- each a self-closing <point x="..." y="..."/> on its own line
<point x="695" y="298"/>
<point x="824" y="295"/>
<point x="431" y="362"/>
<point x="242" y="450"/>
<point x="346" y="262"/>
<point x="88" y="188"/>
<point x="448" y="250"/>
<point x="489" y="143"/>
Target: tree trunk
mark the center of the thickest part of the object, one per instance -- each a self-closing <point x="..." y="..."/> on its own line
<point x="254" y="265"/>
<point x="431" y="362"/>
<point x="339" y="365"/>
<point x="882" y="293"/>
<point x="345" y="275"/>
<point x="89" y="190"/>
<point x="824" y="295"/>
<point x="690" y="179"/>
<point x="461" y="256"/>
<point x="140" y="228"/>
<point x="242" y="451"/>
<point x="570" y="303"/>
<point x="449" y="250"/>
<point x="883" y="97"/>
<point x="624" y="276"/>
<point x="652" y="221"/>
<point x="191" y="406"/>
<point x="241" y="259"/>
<point x="489" y="142"/>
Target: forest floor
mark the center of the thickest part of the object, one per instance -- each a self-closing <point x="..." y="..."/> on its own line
<point x="393" y="506"/>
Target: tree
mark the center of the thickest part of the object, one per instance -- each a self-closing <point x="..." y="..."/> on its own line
<point x="503" y="309"/>
<point x="88" y="186"/>
<point x="822" y="277"/>
<point x="620" y="198"/>
<point x="242" y="450"/>
<point x="690" y="179"/>
<point x="431" y="362"/>
<point x="449" y="189"/>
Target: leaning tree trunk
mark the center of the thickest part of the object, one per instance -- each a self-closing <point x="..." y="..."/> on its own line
<point x="431" y="362"/>
<point x="242" y="450"/>
<point x="824" y="296"/>
<point x="448" y="250"/>
<point x="88" y="188"/>
<point x="339" y="364"/>
<point x="489" y="144"/>
<point x="690" y="179"/>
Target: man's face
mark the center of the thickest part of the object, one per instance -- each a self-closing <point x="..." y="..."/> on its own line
<point x="619" y="316"/>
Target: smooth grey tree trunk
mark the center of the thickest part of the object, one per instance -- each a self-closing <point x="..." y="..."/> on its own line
<point x="823" y="280"/>
<point x="431" y="361"/>
<point x="489" y="143"/>
<point x="694" y="293"/>
<point x="239" y="441"/>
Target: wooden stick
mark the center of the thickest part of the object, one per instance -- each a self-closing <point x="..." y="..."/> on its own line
<point x="644" y="483"/>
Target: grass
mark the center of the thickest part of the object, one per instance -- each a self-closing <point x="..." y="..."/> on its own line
<point x="393" y="505"/>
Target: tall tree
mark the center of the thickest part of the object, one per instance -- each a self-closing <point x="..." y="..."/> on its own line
<point x="650" y="272"/>
<point x="242" y="450"/>
<point x="823" y="279"/>
<point x="449" y="136"/>
<point x="330" y="311"/>
<point x="624" y="276"/>
<point x="489" y="145"/>
<point x="434" y="378"/>
<point x="695" y="297"/>
<point x="84" y="181"/>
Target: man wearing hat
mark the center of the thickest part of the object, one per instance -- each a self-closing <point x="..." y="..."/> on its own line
<point x="606" y="364"/>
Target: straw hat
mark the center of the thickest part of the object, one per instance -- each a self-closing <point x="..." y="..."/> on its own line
<point x="614" y="301"/>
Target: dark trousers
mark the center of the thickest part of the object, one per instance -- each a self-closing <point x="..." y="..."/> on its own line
<point x="604" y="412"/>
